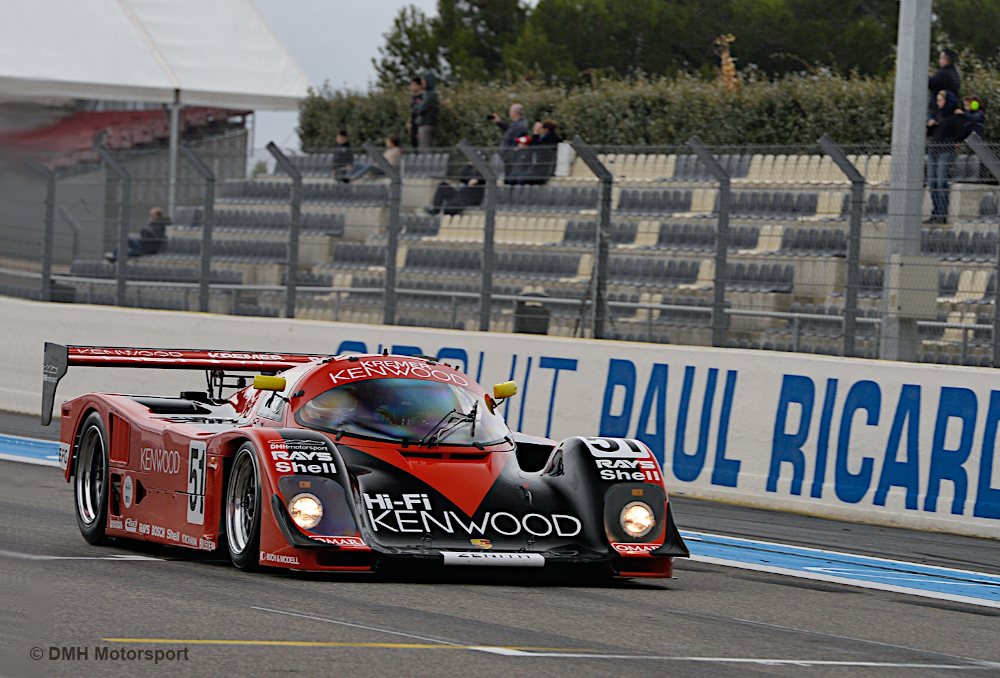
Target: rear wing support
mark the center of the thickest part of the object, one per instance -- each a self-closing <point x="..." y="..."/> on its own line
<point x="58" y="359"/>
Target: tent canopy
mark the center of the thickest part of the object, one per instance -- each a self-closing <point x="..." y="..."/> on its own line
<point x="208" y="52"/>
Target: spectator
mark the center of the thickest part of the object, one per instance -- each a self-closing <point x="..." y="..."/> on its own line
<point x="521" y="167"/>
<point x="152" y="239"/>
<point x="516" y="128"/>
<point x="425" y="113"/>
<point x="974" y="116"/>
<point x="546" y="145"/>
<point x="393" y="155"/>
<point x="946" y="78"/>
<point x="947" y="129"/>
<point x="534" y="161"/>
<point x="343" y="156"/>
<point x="454" y="199"/>
<point x="416" y="96"/>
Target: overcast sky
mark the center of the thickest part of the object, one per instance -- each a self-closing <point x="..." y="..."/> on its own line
<point x="333" y="40"/>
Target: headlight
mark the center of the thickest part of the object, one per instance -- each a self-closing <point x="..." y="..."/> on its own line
<point x="637" y="519"/>
<point x="306" y="510"/>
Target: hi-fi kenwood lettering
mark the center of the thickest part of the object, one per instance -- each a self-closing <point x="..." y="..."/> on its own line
<point x="413" y="514"/>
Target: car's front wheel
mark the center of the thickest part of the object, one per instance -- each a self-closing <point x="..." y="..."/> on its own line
<point x="90" y="485"/>
<point x="243" y="509"/>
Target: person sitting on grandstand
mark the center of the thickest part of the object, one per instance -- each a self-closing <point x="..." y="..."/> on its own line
<point x="974" y="116"/>
<point x="534" y="161"/>
<point x="393" y="154"/>
<point x="454" y="199"/>
<point x="151" y="239"/>
<point x="343" y="156"/>
<point x="947" y="129"/>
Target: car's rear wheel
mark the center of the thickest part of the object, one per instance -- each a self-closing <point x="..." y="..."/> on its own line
<point x="90" y="485"/>
<point x="243" y="509"/>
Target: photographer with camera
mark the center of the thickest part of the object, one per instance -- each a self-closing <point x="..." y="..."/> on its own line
<point x="517" y="127"/>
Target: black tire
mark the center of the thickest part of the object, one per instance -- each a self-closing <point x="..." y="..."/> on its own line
<point x="90" y="480"/>
<point x="242" y="508"/>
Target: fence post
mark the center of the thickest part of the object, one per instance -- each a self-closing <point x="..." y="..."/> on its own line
<point x="207" y="223"/>
<point x="392" y="246"/>
<point x="295" y="225"/>
<point x="988" y="158"/>
<point x="720" y="321"/>
<point x="121" y="255"/>
<point x="489" y="230"/>
<point x="74" y="226"/>
<point x="599" y="303"/>
<point x="48" y="234"/>
<point x="853" y="240"/>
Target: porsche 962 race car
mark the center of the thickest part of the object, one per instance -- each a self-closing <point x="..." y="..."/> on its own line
<point x="350" y="463"/>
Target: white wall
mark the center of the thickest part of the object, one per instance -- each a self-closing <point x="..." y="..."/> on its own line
<point x="824" y="436"/>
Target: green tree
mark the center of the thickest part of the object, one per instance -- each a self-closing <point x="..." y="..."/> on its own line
<point x="970" y="24"/>
<point x="411" y="46"/>
<point x="474" y="33"/>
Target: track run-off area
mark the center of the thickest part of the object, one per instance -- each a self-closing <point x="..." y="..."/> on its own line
<point x="765" y="593"/>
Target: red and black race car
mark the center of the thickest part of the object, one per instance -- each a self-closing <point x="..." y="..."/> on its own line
<point x="350" y="463"/>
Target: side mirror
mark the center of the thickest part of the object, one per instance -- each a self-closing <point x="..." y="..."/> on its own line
<point x="264" y="382"/>
<point x="504" y="390"/>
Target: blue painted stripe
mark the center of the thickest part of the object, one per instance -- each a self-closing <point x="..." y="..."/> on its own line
<point x="913" y="578"/>
<point x="29" y="449"/>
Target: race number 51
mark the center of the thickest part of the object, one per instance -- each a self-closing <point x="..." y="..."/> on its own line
<point x="197" y="462"/>
<point x="622" y="448"/>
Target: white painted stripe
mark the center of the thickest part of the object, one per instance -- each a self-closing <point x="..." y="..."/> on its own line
<point x="30" y="460"/>
<point x="505" y="651"/>
<point x="689" y="534"/>
<point x="357" y="626"/>
<point x="801" y="574"/>
<point x="15" y="555"/>
<point x="977" y="666"/>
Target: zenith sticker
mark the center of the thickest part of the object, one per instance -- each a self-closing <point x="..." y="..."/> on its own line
<point x="127" y="491"/>
<point x="413" y="514"/>
<point x="493" y="559"/>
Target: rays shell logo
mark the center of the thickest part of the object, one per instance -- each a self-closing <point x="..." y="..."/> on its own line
<point x="482" y="543"/>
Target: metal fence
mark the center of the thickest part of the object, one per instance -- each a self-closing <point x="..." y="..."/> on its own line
<point x="780" y="248"/>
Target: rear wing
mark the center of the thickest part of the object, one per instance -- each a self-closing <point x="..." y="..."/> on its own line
<point x="59" y="358"/>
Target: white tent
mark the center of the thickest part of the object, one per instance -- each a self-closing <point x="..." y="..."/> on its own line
<point x="192" y="52"/>
<point x="175" y="52"/>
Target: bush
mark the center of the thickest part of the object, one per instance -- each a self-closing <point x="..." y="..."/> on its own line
<point x="795" y="109"/>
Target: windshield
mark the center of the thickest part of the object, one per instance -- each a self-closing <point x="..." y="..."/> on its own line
<point x="403" y="409"/>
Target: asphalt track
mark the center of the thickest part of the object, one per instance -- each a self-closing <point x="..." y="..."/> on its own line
<point x="58" y="592"/>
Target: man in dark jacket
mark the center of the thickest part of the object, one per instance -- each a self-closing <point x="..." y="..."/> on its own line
<point x="946" y="129"/>
<point x="152" y="238"/>
<point x="946" y="78"/>
<point x="425" y="113"/>
<point x="343" y="155"/>
<point x="453" y="199"/>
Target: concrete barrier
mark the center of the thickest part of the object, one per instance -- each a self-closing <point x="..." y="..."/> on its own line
<point x="873" y="441"/>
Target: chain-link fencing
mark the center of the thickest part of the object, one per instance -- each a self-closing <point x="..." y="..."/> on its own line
<point x="805" y="248"/>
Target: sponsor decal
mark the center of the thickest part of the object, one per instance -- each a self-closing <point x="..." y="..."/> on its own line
<point x="275" y="558"/>
<point x="131" y="525"/>
<point x="127" y="491"/>
<point x="482" y="543"/>
<point x="50" y="372"/>
<point x="245" y="356"/>
<point x="152" y="530"/>
<point x="127" y="352"/>
<point x="343" y="542"/>
<point x="188" y="540"/>
<point x="413" y="514"/>
<point x="302" y="456"/>
<point x="115" y="524"/>
<point x="158" y="460"/>
<point x="629" y="469"/>
<point x="173" y="535"/>
<point x="366" y="369"/>
<point x="63" y="455"/>
<point x="635" y="548"/>
<point x="206" y="544"/>
<point x="493" y="559"/>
